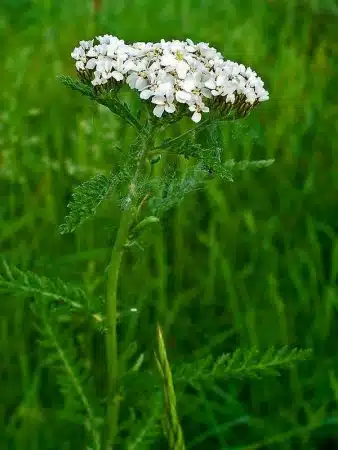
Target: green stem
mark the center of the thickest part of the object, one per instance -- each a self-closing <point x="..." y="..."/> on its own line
<point x="113" y="400"/>
<point x="111" y="338"/>
<point x="198" y="127"/>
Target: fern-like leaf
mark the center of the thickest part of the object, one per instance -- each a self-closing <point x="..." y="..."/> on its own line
<point x="86" y="198"/>
<point x="143" y="433"/>
<point x="119" y="108"/>
<point x="108" y="99"/>
<point x="170" y="190"/>
<point x="26" y="283"/>
<point x="231" y="164"/>
<point x="66" y="297"/>
<point x="240" y="364"/>
<point x="73" y="377"/>
<point x="78" y="86"/>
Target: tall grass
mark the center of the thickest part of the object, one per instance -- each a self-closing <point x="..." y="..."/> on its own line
<point x="249" y="263"/>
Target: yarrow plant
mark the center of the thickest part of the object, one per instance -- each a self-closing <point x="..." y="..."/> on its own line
<point x="174" y="80"/>
<point x="177" y="77"/>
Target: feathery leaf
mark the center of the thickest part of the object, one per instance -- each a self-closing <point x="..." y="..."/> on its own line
<point x="77" y="85"/>
<point x="108" y="99"/>
<point x="73" y="377"/>
<point x="240" y="364"/>
<point x="86" y="198"/>
<point x="26" y="283"/>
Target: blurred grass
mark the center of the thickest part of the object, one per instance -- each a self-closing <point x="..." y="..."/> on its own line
<point x="249" y="263"/>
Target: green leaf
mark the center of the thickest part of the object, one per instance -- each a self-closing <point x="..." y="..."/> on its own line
<point x="86" y="198"/>
<point x="108" y="99"/>
<point x="74" y="378"/>
<point x="65" y="298"/>
<point x="240" y="364"/>
<point x="76" y="85"/>
<point x="230" y="164"/>
<point x="118" y="107"/>
<point x="26" y="283"/>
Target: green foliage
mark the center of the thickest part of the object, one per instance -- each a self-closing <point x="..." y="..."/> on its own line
<point x="86" y="198"/>
<point x="170" y="189"/>
<point x="63" y="298"/>
<point x="25" y="283"/>
<point x="144" y="432"/>
<point x="73" y="377"/>
<point x="240" y="364"/>
<point x="205" y="146"/>
<point x="244" y="165"/>
<point x="76" y="85"/>
<point x="109" y="99"/>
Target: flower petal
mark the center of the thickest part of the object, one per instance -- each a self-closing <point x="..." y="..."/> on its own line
<point x="210" y="84"/>
<point x="117" y="75"/>
<point x="146" y="93"/>
<point x="182" y="69"/>
<point x="79" y="65"/>
<point x="131" y="80"/>
<point x="183" y="97"/>
<point x="170" y="108"/>
<point x="158" y="100"/>
<point x="196" y="117"/>
<point x="158" y="110"/>
<point x="168" y="60"/>
<point x="141" y="83"/>
<point x="206" y="93"/>
<point x="189" y="83"/>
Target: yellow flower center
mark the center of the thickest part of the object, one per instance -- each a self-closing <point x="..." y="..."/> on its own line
<point x="179" y="56"/>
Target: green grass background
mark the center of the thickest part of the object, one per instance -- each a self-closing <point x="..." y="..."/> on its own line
<point x="254" y="262"/>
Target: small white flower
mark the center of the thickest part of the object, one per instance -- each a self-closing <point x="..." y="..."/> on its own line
<point x="131" y="80"/>
<point x="141" y="83"/>
<point x="176" y="61"/>
<point x="98" y="80"/>
<point x="117" y="75"/>
<point x="206" y="51"/>
<point x="160" y="89"/>
<point x="129" y="65"/>
<point x="78" y="54"/>
<point x="86" y="45"/>
<point x="190" y="82"/>
<point x="206" y="93"/>
<point x="79" y="65"/>
<point x="168" y="72"/>
<point x="113" y="45"/>
<point x="197" y="109"/>
<point x="91" y="64"/>
<point x="146" y="94"/>
<point x="183" y="97"/>
<point x="211" y="83"/>
<point x="93" y="52"/>
<point x="163" y="104"/>
<point x="104" y="39"/>
<point x="230" y="98"/>
<point x="137" y="81"/>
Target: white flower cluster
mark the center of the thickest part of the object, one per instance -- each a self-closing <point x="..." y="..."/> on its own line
<point x="171" y="74"/>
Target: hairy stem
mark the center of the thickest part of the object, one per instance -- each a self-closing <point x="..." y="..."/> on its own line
<point x="111" y="338"/>
<point x="113" y="374"/>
